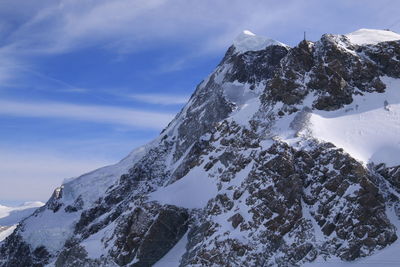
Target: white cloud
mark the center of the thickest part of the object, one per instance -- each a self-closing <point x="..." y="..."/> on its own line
<point x="160" y="99"/>
<point x="91" y="113"/>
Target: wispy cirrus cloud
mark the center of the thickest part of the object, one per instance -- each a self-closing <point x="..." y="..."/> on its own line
<point x="125" y="26"/>
<point x="129" y="25"/>
<point x="160" y="99"/>
<point x="90" y="113"/>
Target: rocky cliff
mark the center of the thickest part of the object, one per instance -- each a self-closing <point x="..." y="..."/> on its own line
<point x="279" y="158"/>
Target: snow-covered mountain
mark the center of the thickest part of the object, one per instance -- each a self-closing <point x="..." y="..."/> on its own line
<point x="11" y="216"/>
<point x="282" y="157"/>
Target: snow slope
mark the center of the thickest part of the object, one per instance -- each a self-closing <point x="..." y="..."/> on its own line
<point x="11" y="216"/>
<point x="191" y="191"/>
<point x="173" y="257"/>
<point x="369" y="36"/>
<point x="368" y="128"/>
<point x="60" y="225"/>
<point x="6" y="231"/>
<point x="102" y="177"/>
<point x="388" y="257"/>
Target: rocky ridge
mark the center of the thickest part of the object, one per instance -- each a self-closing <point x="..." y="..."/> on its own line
<point x="238" y="171"/>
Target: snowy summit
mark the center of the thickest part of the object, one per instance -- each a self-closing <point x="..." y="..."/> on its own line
<point x="286" y="156"/>
<point x="370" y="36"/>
<point x="248" y="41"/>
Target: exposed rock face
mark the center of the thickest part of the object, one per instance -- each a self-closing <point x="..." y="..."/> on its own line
<point x="392" y="174"/>
<point x="169" y="227"/>
<point x="286" y="196"/>
<point x="335" y="70"/>
<point x="276" y="202"/>
<point x="21" y="254"/>
<point x="253" y="66"/>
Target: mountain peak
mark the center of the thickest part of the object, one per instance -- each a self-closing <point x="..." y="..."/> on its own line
<point x="248" y="41"/>
<point x="372" y="36"/>
<point x="282" y="156"/>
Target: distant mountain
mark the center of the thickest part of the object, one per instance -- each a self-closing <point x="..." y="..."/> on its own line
<point x="11" y="216"/>
<point x="282" y="157"/>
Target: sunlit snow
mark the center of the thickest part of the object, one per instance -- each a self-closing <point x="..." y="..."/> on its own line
<point x="368" y="129"/>
<point x="191" y="191"/>
<point x="369" y="36"/>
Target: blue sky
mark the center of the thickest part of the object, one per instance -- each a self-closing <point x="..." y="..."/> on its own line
<point x="83" y="82"/>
